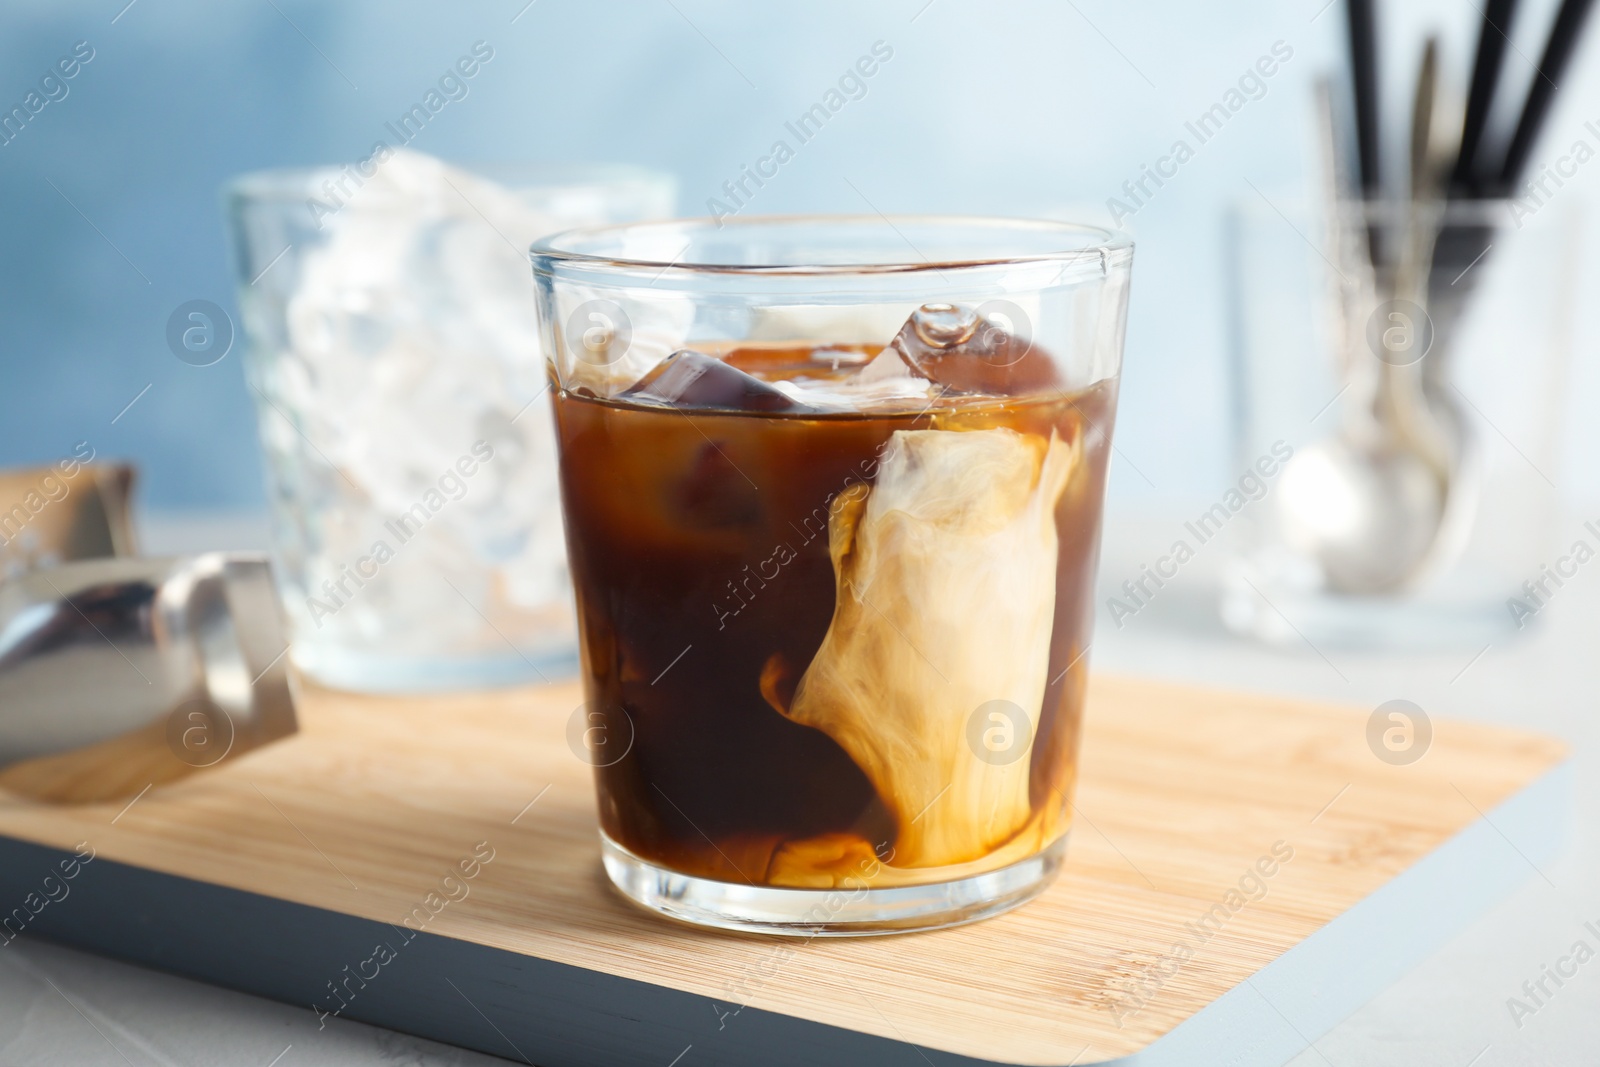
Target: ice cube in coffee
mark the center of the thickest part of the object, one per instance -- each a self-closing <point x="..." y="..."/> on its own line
<point x="841" y="590"/>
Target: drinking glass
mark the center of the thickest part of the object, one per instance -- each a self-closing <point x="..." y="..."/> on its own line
<point x="1355" y="544"/>
<point x="833" y="489"/>
<point x="410" y="455"/>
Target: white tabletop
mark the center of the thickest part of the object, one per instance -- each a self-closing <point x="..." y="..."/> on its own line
<point x="59" y="1006"/>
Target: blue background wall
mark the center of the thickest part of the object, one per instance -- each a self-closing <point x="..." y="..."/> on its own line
<point x="1020" y="107"/>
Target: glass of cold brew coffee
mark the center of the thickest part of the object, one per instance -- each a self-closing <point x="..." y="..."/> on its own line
<point x="832" y="490"/>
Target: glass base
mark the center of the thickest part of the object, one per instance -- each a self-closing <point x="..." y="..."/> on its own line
<point x="1420" y="623"/>
<point x="829" y="912"/>
<point x="369" y="672"/>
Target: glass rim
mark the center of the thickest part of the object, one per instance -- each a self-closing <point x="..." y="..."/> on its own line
<point x="1107" y="244"/>
<point x="272" y="184"/>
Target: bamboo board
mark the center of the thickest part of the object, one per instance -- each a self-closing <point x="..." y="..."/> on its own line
<point x="282" y="872"/>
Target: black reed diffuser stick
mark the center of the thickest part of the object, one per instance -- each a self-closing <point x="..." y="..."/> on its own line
<point x="1492" y="37"/>
<point x="1552" y="68"/>
<point x="1364" y="80"/>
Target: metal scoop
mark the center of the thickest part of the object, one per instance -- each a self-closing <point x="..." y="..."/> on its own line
<point x="120" y="674"/>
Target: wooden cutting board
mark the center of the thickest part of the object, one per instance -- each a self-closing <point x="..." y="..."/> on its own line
<point x="1243" y="872"/>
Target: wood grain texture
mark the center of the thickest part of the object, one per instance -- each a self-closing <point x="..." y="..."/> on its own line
<point x="1182" y="793"/>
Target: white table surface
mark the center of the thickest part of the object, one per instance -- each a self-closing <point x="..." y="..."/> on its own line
<point x="59" y="1006"/>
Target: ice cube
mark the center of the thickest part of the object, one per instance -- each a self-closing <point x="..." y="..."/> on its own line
<point x="965" y="350"/>
<point x="693" y="380"/>
<point x="410" y="336"/>
<point x="612" y="342"/>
